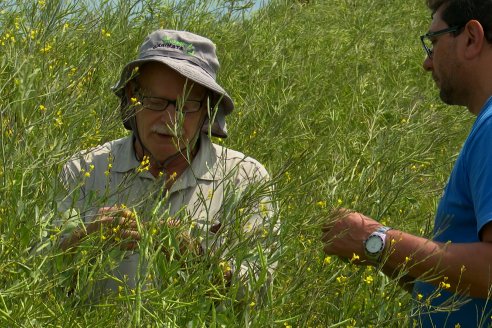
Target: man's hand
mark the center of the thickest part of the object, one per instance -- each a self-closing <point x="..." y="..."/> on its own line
<point x="186" y="242"/>
<point x="118" y="223"/>
<point x="115" y="222"/>
<point x="345" y="232"/>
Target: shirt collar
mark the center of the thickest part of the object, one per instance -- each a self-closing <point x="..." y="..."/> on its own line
<point x="205" y="166"/>
<point x="124" y="157"/>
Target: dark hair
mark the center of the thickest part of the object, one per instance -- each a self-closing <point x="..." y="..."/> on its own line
<point x="459" y="12"/>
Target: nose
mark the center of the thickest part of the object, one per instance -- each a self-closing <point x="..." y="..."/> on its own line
<point x="169" y="114"/>
<point x="172" y="117"/>
<point x="427" y="64"/>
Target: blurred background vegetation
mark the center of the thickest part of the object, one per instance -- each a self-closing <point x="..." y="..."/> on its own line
<point x="330" y="96"/>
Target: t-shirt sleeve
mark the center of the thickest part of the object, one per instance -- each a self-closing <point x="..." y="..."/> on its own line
<point x="480" y="173"/>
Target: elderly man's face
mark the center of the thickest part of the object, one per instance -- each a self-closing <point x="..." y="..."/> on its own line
<point x="164" y="132"/>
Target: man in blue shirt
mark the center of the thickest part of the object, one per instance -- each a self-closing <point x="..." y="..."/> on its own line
<point x="451" y="274"/>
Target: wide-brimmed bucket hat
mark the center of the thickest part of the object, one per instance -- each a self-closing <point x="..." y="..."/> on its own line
<point x="192" y="56"/>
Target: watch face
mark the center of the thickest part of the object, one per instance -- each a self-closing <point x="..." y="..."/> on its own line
<point x="374" y="244"/>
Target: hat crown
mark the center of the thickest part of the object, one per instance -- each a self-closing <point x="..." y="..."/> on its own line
<point x="182" y="45"/>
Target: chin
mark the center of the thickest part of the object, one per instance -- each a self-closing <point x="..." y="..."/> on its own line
<point x="163" y="152"/>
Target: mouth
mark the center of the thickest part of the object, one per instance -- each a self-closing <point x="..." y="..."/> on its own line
<point x="164" y="132"/>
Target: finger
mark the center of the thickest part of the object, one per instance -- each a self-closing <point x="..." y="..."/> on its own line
<point x="128" y="221"/>
<point x="129" y="234"/>
<point x="128" y="214"/>
<point x="328" y="249"/>
<point x="123" y="221"/>
<point x="339" y="213"/>
<point x="173" y="223"/>
<point x="327" y="226"/>
<point x="326" y="237"/>
<point x="108" y="210"/>
<point x="128" y="245"/>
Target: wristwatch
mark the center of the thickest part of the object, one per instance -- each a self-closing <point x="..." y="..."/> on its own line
<point x="374" y="244"/>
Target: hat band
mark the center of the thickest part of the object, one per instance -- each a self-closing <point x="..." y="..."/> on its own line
<point x="177" y="55"/>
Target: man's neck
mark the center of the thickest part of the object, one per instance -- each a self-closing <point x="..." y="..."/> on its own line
<point x="172" y="167"/>
<point x="177" y="164"/>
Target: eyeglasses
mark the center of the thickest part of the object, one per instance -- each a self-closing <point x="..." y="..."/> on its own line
<point x="161" y="104"/>
<point x="428" y="39"/>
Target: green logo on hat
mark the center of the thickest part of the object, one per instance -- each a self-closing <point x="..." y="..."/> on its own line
<point x="187" y="48"/>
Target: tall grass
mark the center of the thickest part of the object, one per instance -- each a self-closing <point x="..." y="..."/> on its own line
<point x="330" y="96"/>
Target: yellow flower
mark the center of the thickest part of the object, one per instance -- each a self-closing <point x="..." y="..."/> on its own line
<point x="420" y="296"/>
<point x="321" y="204"/>
<point x="443" y="284"/>
<point x="341" y="279"/>
<point x="87" y="174"/>
<point x="327" y="260"/>
<point x="45" y="49"/>
<point x="32" y="34"/>
<point x="368" y="280"/>
<point x="263" y="209"/>
<point x="144" y="164"/>
<point x="339" y="201"/>
<point x="224" y="265"/>
<point x="42" y="108"/>
<point x="135" y="101"/>
<point x="354" y="257"/>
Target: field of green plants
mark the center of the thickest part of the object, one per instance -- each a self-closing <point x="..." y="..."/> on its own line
<point x="330" y="96"/>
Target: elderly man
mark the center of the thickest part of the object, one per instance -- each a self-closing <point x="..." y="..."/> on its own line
<point x="167" y="175"/>
<point x="451" y="274"/>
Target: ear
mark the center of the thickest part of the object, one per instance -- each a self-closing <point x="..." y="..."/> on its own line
<point x="475" y="38"/>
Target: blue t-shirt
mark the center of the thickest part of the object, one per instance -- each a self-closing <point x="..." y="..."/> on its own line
<point x="465" y="207"/>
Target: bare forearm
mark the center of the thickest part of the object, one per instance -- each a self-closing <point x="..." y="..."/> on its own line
<point x="462" y="264"/>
